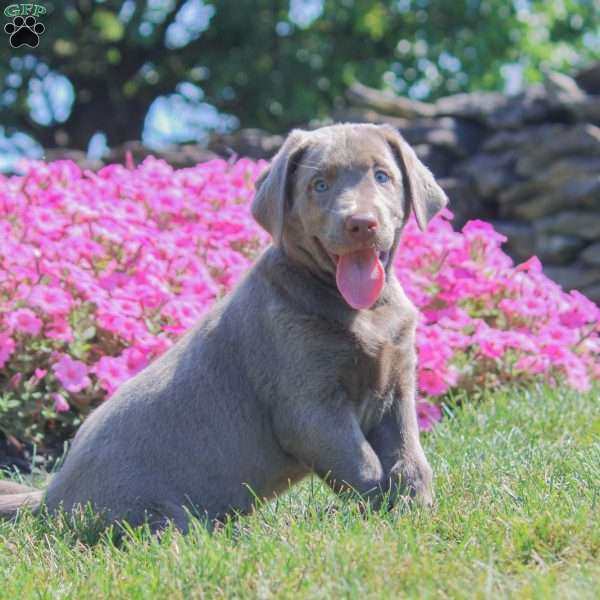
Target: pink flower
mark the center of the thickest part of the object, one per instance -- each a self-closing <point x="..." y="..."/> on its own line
<point x="581" y="311"/>
<point x="428" y="415"/>
<point x="482" y="230"/>
<point x="135" y="257"/>
<point x="59" y="329"/>
<point x="578" y="378"/>
<point x="24" y="320"/>
<point x="72" y="374"/>
<point x="532" y="265"/>
<point x="432" y="382"/>
<point x="40" y="373"/>
<point x="492" y="348"/>
<point x="557" y="353"/>
<point x="556" y="334"/>
<point x="60" y="403"/>
<point x="124" y="307"/>
<point x="533" y="307"/>
<point x="136" y="359"/>
<point x="52" y="300"/>
<point x="7" y="347"/>
<point x="532" y="364"/>
<point x="112" y="372"/>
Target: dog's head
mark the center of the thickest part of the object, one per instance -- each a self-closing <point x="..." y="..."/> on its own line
<point x="336" y="199"/>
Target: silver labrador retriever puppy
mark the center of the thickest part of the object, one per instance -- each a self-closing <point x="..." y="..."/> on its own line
<point x="307" y="366"/>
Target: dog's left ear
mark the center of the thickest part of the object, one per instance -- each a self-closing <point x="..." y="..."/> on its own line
<point x="425" y="196"/>
<point x="273" y="187"/>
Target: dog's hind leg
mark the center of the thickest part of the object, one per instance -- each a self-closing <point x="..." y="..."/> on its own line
<point x="168" y="513"/>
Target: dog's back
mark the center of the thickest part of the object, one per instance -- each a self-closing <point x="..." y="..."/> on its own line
<point x="170" y="437"/>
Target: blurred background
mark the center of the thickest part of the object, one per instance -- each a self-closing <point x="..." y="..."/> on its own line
<point x="173" y="71"/>
<point x="500" y="98"/>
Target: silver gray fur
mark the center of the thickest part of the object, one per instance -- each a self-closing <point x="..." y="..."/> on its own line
<point x="282" y="377"/>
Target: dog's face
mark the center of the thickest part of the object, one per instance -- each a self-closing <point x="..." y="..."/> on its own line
<point x="336" y="199"/>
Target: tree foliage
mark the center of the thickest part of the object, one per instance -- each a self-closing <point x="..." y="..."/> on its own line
<point x="275" y="64"/>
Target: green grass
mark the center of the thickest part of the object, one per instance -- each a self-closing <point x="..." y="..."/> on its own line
<point x="517" y="515"/>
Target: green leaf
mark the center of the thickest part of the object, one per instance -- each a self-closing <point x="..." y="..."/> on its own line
<point x="108" y="25"/>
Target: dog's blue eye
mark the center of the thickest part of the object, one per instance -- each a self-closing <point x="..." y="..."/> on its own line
<point x="320" y="185"/>
<point x="381" y="176"/>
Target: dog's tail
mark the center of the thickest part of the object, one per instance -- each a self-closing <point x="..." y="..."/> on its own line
<point x="15" y="497"/>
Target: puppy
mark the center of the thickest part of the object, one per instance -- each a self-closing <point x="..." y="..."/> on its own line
<point x="307" y="366"/>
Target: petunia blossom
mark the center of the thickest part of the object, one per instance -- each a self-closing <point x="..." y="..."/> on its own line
<point x="60" y="403"/>
<point x="428" y="415"/>
<point x="72" y="374"/>
<point x="24" y="320"/>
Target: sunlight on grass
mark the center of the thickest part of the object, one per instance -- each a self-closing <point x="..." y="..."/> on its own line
<point x="516" y="515"/>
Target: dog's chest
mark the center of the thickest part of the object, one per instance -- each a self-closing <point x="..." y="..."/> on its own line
<point x="368" y="377"/>
<point x="372" y="356"/>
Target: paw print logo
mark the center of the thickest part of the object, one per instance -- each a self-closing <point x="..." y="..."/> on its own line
<point x="24" y="32"/>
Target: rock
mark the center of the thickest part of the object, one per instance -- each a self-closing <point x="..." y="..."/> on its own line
<point x="584" y="192"/>
<point x="138" y="152"/>
<point x="178" y="156"/>
<point x="569" y="168"/>
<point x="561" y="88"/>
<point x="476" y="106"/>
<point x="436" y="159"/>
<point x="441" y="137"/>
<point x="492" y="109"/>
<point x="578" y="193"/>
<point x="557" y="249"/>
<point x="591" y="255"/>
<point x="588" y="78"/>
<point x="77" y="156"/>
<point x="592" y="292"/>
<point x="515" y="140"/>
<point x="548" y="179"/>
<point x="514" y="195"/>
<point x="249" y="143"/>
<point x="367" y="115"/>
<point x="574" y="276"/>
<point x="187" y="155"/>
<point x="581" y="139"/>
<point x="531" y="106"/>
<point x="458" y="138"/>
<point x="490" y="173"/>
<point x="388" y="103"/>
<point x="495" y="110"/>
<point x="464" y="202"/>
<point x="586" y="109"/>
<point x="564" y="93"/>
<point x="521" y="236"/>
<point x="585" y="224"/>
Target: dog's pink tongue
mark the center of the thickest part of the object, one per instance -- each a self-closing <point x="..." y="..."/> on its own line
<point x="360" y="277"/>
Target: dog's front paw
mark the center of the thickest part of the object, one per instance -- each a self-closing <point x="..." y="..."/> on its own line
<point x="414" y="479"/>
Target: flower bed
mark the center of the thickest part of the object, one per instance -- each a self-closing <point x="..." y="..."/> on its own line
<point x="101" y="272"/>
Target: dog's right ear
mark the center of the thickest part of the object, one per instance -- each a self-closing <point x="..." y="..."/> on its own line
<point x="273" y="187"/>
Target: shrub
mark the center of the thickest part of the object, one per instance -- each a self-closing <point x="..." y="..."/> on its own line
<point x="101" y="272"/>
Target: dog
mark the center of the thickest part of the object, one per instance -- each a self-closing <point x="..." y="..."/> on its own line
<point x="307" y="366"/>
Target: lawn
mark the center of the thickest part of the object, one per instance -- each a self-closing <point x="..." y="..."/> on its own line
<point x="517" y="479"/>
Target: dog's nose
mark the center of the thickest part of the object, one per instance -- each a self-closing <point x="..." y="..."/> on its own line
<point x="362" y="227"/>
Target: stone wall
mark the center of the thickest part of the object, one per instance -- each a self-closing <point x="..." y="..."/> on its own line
<point x="528" y="163"/>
